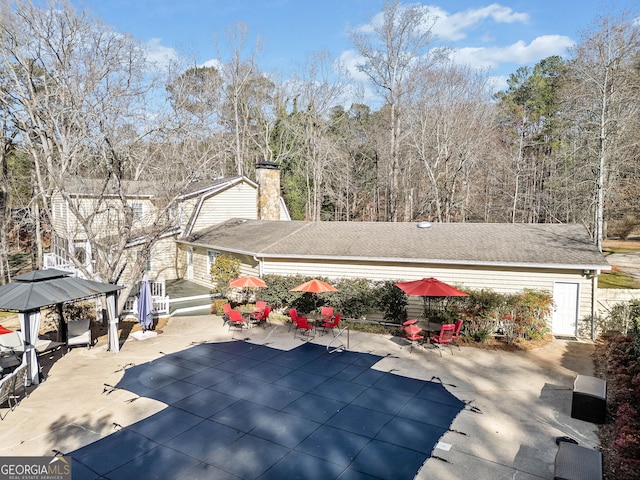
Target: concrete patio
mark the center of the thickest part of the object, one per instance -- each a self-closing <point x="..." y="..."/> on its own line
<point x="515" y="403"/>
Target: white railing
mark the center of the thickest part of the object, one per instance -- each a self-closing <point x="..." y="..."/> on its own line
<point x="158" y="296"/>
<point x="51" y="260"/>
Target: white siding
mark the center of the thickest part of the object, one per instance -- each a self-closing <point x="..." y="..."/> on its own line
<point x="475" y="278"/>
<point x="163" y="260"/>
<point x="201" y="276"/>
<point x="238" y="201"/>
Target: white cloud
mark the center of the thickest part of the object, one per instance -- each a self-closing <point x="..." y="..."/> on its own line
<point x="453" y="27"/>
<point x="214" y="62"/>
<point x="519" y="53"/>
<point x="159" y="54"/>
<point x="498" y="83"/>
<point x="349" y="60"/>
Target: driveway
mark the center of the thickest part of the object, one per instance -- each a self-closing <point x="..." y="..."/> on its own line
<point x="514" y="404"/>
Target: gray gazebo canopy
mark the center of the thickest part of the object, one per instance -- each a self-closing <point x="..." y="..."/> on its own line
<point x="29" y="292"/>
<point x="41" y="288"/>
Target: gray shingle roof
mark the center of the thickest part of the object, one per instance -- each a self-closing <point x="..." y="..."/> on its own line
<point x="562" y="245"/>
<point x="140" y="188"/>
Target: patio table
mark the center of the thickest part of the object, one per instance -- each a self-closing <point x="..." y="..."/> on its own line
<point x="429" y="328"/>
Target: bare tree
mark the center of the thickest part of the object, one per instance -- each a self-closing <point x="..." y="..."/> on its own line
<point x="448" y="124"/>
<point x="89" y="106"/>
<point x="243" y="92"/>
<point x="316" y="92"/>
<point x="603" y="97"/>
<point x="392" y="51"/>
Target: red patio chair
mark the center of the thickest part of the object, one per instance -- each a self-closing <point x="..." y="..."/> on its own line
<point x="332" y="323"/>
<point x="236" y="320"/>
<point x="226" y="308"/>
<point x="303" y="325"/>
<point x="414" y="334"/>
<point x="456" y="333"/>
<point x="260" y="306"/>
<point x="445" y="337"/>
<point x="326" y="314"/>
<point x="261" y="318"/>
<point x="293" y="315"/>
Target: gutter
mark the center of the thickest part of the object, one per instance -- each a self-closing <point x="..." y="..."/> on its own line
<point x="593" y="269"/>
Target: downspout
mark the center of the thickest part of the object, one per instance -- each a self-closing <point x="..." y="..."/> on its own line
<point x="260" y="269"/>
<point x="594" y="303"/>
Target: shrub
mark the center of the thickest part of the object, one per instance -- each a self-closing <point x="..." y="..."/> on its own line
<point x="516" y="317"/>
<point x="622" y="317"/>
<point x="479" y="329"/>
<point x="224" y="269"/>
<point x="216" y="307"/>
<point x="392" y="302"/>
<point x="355" y="298"/>
<point x="485" y="312"/>
<point x="623" y="403"/>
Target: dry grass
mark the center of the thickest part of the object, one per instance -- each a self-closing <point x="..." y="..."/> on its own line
<point x="633" y="243"/>
<point x="499" y="344"/>
<point x="126" y="327"/>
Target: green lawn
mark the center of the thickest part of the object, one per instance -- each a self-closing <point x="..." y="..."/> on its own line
<point x="616" y="279"/>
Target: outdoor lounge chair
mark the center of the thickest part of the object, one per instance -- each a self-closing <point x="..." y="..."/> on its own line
<point x="226" y="308"/>
<point x="43" y="345"/>
<point x="11" y="344"/>
<point x="79" y="333"/>
<point x="20" y="381"/>
<point x="445" y="337"/>
<point x="260" y="306"/>
<point x="6" y="391"/>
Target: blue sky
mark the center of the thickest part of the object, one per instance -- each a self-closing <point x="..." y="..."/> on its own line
<point x="499" y="36"/>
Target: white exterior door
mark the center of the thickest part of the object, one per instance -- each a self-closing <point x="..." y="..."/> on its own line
<point x="189" y="263"/>
<point x="565" y="315"/>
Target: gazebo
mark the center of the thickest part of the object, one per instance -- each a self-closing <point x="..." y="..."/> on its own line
<point x="29" y="292"/>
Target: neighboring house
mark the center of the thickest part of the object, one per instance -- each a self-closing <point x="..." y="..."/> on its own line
<point x="199" y="206"/>
<point x="560" y="259"/>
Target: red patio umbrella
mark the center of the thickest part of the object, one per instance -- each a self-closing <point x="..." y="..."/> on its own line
<point x="430" y="287"/>
<point x="247" y="282"/>
<point x="314" y="286"/>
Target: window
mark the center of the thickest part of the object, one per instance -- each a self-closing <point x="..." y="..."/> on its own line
<point x="147" y="264"/>
<point x="138" y="210"/>
<point x="211" y="259"/>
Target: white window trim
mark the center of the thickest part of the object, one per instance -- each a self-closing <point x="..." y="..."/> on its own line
<point x="211" y="259"/>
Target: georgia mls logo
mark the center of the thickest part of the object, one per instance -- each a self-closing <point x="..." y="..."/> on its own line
<point x="35" y="468"/>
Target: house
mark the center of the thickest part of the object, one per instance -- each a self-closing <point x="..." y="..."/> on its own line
<point x="508" y="258"/>
<point x="198" y="206"/>
<point x="248" y="220"/>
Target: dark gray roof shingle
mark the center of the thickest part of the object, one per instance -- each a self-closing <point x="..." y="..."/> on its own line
<point x="465" y="243"/>
<point x="140" y="188"/>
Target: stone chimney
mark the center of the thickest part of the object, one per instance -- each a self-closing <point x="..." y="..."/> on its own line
<point x="268" y="178"/>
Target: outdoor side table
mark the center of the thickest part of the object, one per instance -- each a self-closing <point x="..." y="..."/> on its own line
<point x="589" y="402"/>
<point x="574" y="462"/>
